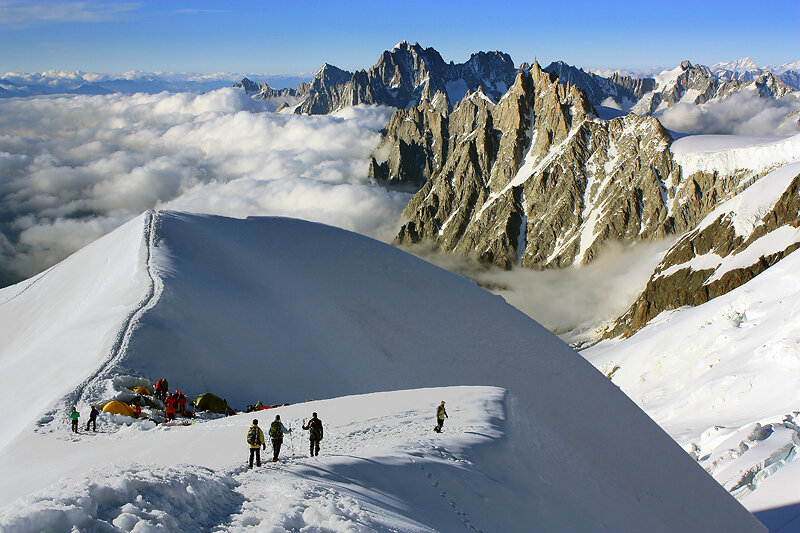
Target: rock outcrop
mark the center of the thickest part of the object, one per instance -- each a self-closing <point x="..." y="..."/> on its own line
<point x="727" y="249"/>
<point x="624" y="90"/>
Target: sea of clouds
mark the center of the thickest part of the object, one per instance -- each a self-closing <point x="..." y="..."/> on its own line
<point x="743" y="113"/>
<point x="73" y="168"/>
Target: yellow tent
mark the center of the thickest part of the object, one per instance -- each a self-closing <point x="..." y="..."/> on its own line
<point x="117" y="408"/>
<point x="142" y="390"/>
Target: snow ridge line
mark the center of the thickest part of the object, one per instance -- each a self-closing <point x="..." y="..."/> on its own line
<point x="36" y="280"/>
<point x="120" y="346"/>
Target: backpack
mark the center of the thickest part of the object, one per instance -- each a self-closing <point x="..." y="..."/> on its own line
<point x="252" y="436"/>
<point x="275" y="430"/>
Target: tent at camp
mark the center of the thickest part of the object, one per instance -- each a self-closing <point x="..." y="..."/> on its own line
<point x="117" y="408"/>
<point x="142" y="390"/>
<point x="210" y="402"/>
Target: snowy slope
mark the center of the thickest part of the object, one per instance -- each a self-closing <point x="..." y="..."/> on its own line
<point x="728" y="153"/>
<point x="282" y="310"/>
<point x="195" y="475"/>
<point x="736" y="366"/>
<point x="45" y="351"/>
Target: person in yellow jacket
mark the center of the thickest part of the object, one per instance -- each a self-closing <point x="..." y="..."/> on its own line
<point x="255" y="438"/>
<point x="441" y="414"/>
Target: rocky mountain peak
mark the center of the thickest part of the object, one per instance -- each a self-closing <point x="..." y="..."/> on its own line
<point x="248" y="85"/>
<point x="329" y="75"/>
<point x="405" y="76"/>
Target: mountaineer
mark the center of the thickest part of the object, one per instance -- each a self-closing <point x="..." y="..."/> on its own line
<point x="276" y="431"/>
<point x="92" y="419"/>
<point x="255" y="438"/>
<point x="74" y="416"/>
<point x="314" y="428"/>
<point x="441" y="414"/>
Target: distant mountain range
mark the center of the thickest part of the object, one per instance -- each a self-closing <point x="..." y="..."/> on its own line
<point x="409" y="74"/>
<point x="18" y="84"/>
<point x="535" y="179"/>
<point x="404" y="76"/>
<point x="692" y="84"/>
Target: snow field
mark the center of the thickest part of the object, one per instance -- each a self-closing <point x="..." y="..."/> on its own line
<point x="45" y="319"/>
<point x="736" y="365"/>
<point x="726" y="154"/>
<point x="379" y="432"/>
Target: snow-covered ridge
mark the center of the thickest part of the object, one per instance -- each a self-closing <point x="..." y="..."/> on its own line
<point x="284" y="310"/>
<point x="714" y="153"/>
<point x="746" y="209"/>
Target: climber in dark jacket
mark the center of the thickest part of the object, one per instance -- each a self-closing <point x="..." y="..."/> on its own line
<point x="92" y="419"/>
<point x="314" y="428"/>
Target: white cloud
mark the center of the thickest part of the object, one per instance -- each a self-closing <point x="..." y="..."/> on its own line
<point x="743" y="113"/>
<point x="23" y="14"/>
<point x="73" y="168"/>
<point x="566" y="299"/>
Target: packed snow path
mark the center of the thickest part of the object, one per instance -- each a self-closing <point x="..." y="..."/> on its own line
<point x="381" y="468"/>
<point x="283" y="310"/>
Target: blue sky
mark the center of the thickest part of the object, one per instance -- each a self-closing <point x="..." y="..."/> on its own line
<point x="297" y="37"/>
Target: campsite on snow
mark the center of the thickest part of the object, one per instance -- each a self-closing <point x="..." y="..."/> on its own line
<point x="261" y="272"/>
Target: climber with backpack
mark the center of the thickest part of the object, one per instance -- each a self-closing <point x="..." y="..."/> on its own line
<point x="314" y="428"/>
<point x="276" y="431"/>
<point x="255" y="438"/>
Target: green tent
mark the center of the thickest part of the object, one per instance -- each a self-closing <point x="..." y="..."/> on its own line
<point x="210" y="402"/>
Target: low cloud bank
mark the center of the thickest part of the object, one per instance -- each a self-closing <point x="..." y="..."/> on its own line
<point x="743" y="113"/>
<point x="74" y="168"/>
<point x="566" y="299"/>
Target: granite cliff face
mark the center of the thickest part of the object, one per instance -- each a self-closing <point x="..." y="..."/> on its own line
<point x="624" y="90"/>
<point x="536" y="179"/>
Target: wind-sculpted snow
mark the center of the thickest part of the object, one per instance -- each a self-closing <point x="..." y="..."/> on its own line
<point x="131" y="498"/>
<point x="283" y="310"/>
<point x="726" y="154"/>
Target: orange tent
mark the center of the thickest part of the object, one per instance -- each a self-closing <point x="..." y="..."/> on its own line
<point x="117" y="408"/>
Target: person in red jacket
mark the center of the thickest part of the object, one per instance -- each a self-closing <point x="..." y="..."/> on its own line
<point x="170" y="410"/>
<point x="161" y="389"/>
<point x="181" y="403"/>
